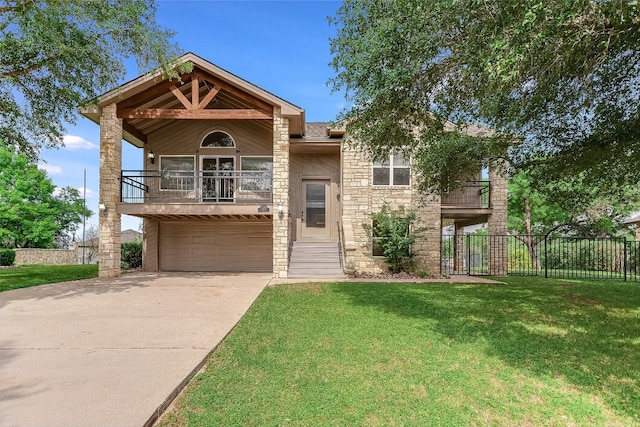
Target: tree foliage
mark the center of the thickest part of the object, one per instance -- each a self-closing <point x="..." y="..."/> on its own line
<point x="31" y="214"/>
<point x="570" y="205"/>
<point x="558" y="81"/>
<point x="57" y="55"/>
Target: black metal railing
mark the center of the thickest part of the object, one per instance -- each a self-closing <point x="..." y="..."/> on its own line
<point x="546" y="256"/>
<point x="175" y="186"/>
<point x="473" y="194"/>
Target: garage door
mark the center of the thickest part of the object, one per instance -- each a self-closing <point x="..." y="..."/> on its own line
<point x="215" y="246"/>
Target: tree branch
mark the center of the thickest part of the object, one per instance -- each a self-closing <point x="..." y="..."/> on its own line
<point x="31" y="68"/>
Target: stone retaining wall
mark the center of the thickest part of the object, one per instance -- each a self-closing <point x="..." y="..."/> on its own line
<point x="46" y="256"/>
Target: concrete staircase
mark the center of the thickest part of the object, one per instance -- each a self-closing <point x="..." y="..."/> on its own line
<point x="315" y="260"/>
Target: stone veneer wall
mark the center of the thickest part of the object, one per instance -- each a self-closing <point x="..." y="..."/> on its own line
<point x="497" y="222"/>
<point x="281" y="227"/>
<point x="46" y="256"/>
<point x="110" y="166"/>
<point x="360" y="199"/>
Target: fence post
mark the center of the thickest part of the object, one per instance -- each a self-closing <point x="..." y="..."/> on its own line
<point x="468" y="254"/>
<point x="624" y="258"/>
<point x="546" y="275"/>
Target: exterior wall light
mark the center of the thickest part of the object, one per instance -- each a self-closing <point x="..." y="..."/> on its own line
<point x="280" y="210"/>
<point x="151" y="157"/>
<point x="103" y="208"/>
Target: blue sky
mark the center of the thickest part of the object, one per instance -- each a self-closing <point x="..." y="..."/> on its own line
<point x="281" y="46"/>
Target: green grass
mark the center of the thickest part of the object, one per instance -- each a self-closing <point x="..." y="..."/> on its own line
<point x="533" y="352"/>
<point x="34" y="275"/>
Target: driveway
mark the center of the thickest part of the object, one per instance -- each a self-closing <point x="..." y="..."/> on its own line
<point x="111" y="352"/>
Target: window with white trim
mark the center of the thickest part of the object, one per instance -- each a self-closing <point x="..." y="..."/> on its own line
<point x="395" y="171"/>
<point x="256" y="173"/>
<point x="177" y="172"/>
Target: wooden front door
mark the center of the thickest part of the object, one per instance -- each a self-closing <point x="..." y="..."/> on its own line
<point x="315" y="215"/>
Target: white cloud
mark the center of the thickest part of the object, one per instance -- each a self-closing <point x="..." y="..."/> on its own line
<point x="50" y="169"/>
<point x="90" y="192"/>
<point x="73" y="142"/>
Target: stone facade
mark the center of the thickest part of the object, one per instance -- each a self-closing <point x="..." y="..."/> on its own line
<point x="110" y="166"/>
<point x="281" y="224"/>
<point x="360" y="198"/>
<point x="46" y="256"/>
<point x="497" y="222"/>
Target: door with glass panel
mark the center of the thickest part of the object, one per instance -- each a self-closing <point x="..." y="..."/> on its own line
<point x="315" y="214"/>
<point x="217" y="181"/>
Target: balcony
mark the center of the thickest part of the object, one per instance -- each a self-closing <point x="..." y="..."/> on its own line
<point x="473" y="194"/>
<point x="198" y="187"/>
<point x="470" y="203"/>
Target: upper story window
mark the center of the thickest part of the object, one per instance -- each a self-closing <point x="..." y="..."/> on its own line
<point x="218" y="138"/>
<point x="394" y="171"/>
<point x="256" y="173"/>
<point x="177" y="172"/>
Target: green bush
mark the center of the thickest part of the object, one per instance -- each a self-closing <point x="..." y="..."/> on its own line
<point x="7" y="256"/>
<point x="520" y="259"/>
<point x="392" y="237"/>
<point x="131" y="255"/>
<point x="587" y="254"/>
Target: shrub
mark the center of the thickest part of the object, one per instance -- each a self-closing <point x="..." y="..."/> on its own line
<point x="7" y="257"/>
<point x="392" y="237"/>
<point x="131" y="255"/>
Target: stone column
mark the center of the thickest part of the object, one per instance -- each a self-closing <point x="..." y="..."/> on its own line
<point x="428" y="248"/>
<point x="280" y="194"/>
<point x="110" y="166"/>
<point x="458" y="250"/>
<point x="497" y="221"/>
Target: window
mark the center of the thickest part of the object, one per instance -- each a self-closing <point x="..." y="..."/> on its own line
<point x="218" y="138"/>
<point x="177" y="172"/>
<point x="256" y="173"/>
<point x="395" y="171"/>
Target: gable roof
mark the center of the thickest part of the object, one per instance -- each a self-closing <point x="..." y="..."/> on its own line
<point x="161" y="96"/>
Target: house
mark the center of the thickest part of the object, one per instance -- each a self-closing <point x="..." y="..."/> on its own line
<point x="235" y="179"/>
<point x="634" y="221"/>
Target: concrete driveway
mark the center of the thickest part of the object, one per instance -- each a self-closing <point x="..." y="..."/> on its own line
<point x="111" y="352"/>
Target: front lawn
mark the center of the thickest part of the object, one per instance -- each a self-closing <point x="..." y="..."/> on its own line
<point x="33" y="275"/>
<point x="533" y="352"/>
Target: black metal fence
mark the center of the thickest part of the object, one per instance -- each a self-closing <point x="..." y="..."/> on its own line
<point x="560" y="257"/>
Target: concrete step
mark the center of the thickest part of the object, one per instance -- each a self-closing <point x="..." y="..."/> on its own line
<point x="315" y="260"/>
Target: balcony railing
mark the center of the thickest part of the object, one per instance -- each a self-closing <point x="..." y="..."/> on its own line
<point x="175" y="186"/>
<point x="473" y="194"/>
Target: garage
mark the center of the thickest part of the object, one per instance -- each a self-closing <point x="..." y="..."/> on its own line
<point x="223" y="245"/>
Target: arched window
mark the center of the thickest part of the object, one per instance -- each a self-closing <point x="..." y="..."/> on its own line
<point x="218" y="138"/>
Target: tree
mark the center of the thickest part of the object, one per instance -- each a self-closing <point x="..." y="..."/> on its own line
<point x="31" y="215"/>
<point x="570" y="206"/>
<point x="71" y="209"/>
<point x="558" y="81"/>
<point x="58" y="55"/>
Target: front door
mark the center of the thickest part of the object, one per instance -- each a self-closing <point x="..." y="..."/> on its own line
<point x="315" y="215"/>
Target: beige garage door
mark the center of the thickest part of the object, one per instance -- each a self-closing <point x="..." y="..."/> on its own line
<point x="215" y="246"/>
